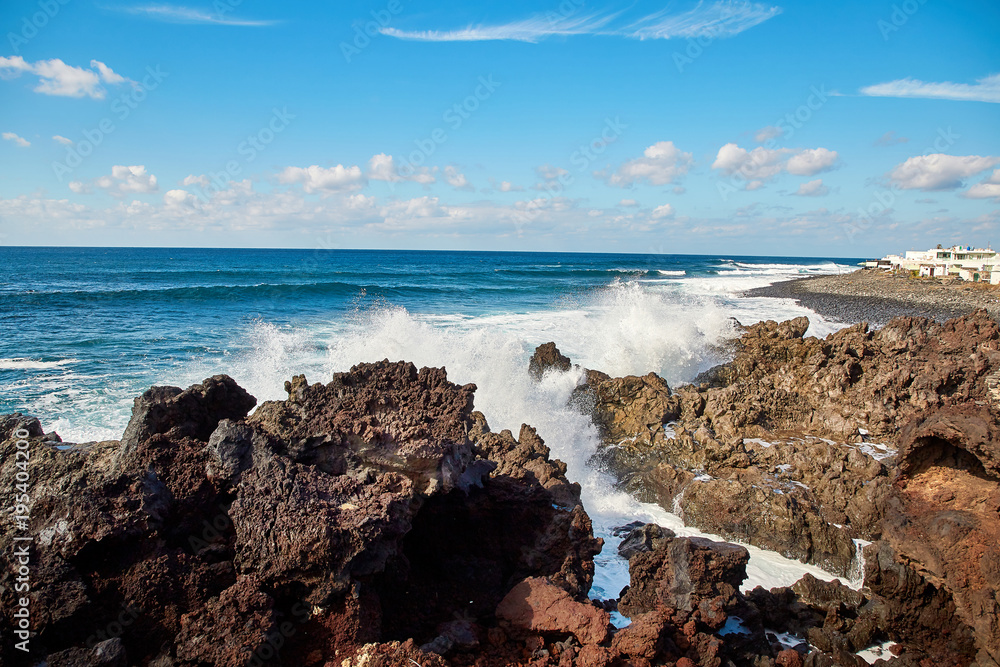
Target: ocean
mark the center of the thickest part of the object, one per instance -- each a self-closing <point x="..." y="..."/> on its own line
<point x="85" y="330"/>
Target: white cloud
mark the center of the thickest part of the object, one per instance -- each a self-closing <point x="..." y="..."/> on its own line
<point x="984" y="191"/>
<point x="661" y="164"/>
<point x="767" y="133"/>
<point x="383" y="167"/>
<point x="719" y="19"/>
<point x="201" y="181"/>
<point x="20" y="141"/>
<point x="175" y="14"/>
<point x="938" y="171"/>
<point x="123" y="180"/>
<point x="531" y="30"/>
<point x="457" y="180"/>
<point x="129" y="179"/>
<point x="320" y="179"/>
<point x="507" y="186"/>
<point x="628" y="203"/>
<point x="179" y="199"/>
<point x="988" y="189"/>
<point x="62" y="140"/>
<point x="761" y="165"/>
<point x="723" y="18"/>
<point x="57" y="78"/>
<point x="360" y="202"/>
<point x="813" y="189"/>
<point x="986" y="89"/>
<point x="811" y="161"/>
<point x="547" y="172"/>
<point x="663" y="211"/>
<point x="552" y="177"/>
<point x="418" y="207"/>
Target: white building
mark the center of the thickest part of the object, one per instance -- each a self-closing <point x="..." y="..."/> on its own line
<point x="964" y="262"/>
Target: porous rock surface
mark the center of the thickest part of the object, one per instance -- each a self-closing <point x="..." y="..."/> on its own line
<point x="354" y="512"/>
<point x="804" y="445"/>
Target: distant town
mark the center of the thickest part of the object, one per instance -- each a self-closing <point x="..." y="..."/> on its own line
<point x="957" y="262"/>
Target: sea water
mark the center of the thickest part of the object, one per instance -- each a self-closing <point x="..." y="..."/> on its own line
<point x="85" y="330"/>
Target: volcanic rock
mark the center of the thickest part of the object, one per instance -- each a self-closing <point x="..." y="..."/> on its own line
<point x="547" y="356"/>
<point x="804" y="445"/>
<point x="377" y="508"/>
<point x="539" y="605"/>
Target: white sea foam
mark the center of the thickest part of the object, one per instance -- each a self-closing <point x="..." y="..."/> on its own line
<point x="32" y="364"/>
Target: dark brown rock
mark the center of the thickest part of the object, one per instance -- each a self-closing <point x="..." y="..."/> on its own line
<point x="353" y="513"/>
<point x="193" y="412"/>
<point x="681" y="574"/>
<point x="547" y="356"/>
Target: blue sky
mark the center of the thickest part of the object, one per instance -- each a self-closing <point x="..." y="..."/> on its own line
<point x="799" y="128"/>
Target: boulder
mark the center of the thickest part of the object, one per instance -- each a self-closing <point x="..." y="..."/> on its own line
<point x="687" y="574"/>
<point x="194" y="412"/>
<point x="547" y="356"/>
<point x="538" y="605"/>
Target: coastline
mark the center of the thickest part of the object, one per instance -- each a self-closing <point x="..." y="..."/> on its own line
<point x="877" y="297"/>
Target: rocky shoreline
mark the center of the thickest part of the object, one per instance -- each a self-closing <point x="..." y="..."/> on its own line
<point x="377" y="520"/>
<point x="876" y="297"/>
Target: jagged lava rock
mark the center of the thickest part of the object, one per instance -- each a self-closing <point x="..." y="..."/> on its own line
<point x="547" y="356"/>
<point x="359" y="511"/>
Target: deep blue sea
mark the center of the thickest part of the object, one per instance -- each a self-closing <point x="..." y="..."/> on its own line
<point x="85" y="330"/>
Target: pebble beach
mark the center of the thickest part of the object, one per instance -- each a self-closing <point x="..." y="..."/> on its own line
<point x="876" y="296"/>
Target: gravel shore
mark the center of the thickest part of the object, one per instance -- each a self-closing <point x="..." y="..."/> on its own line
<point x="876" y="296"/>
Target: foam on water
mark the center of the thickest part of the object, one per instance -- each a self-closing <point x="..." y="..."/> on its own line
<point x="32" y="364"/>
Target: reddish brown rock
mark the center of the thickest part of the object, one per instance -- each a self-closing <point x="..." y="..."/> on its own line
<point x="789" y="446"/>
<point x="648" y="636"/>
<point x="538" y="605"/>
<point x="788" y="658"/>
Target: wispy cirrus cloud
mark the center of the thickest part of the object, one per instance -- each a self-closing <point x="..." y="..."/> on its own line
<point x="531" y="30"/>
<point x="720" y="19"/>
<point x="986" y="89"/>
<point x="723" y="18"/>
<point x="178" y="14"/>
